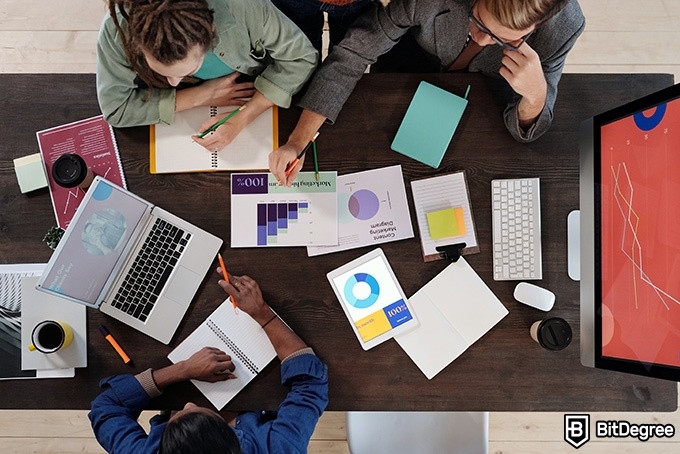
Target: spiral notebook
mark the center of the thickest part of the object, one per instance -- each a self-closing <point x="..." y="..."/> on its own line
<point x="172" y="150"/>
<point x="238" y="335"/>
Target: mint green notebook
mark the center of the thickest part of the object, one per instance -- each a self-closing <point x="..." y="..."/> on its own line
<point x="429" y="124"/>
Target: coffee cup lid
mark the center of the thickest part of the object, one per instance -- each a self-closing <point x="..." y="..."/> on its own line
<point x="554" y="333"/>
<point x="69" y="170"/>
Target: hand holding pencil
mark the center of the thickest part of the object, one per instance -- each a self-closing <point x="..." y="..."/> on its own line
<point x="209" y="137"/>
<point x="225" y="276"/>
<point x="248" y="295"/>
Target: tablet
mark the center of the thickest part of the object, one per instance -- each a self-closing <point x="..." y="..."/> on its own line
<point x="372" y="299"/>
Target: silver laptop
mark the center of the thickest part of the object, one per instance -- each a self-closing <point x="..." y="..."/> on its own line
<point x="133" y="260"/>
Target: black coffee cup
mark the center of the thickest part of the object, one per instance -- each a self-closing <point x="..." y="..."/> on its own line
<point x="552" y="333"/>
<point x="70" y="171"/>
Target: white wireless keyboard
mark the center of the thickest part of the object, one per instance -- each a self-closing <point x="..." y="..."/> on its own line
<point x="516" y="208"/>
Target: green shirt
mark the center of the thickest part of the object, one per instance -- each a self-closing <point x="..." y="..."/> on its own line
<point x="212" y="68"/>
<point x="253" y="37"/>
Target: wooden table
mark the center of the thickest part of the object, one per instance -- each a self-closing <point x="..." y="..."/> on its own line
<point x="505" y="370"/>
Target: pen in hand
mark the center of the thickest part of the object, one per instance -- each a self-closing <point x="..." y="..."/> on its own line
<point x="221" y="122"/>
<point x="109" y="337"/>
<point x="226" y="278"/>
<point x="292" y="165"/>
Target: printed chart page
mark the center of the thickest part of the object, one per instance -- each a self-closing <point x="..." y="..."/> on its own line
<point x="264" y="213"/>
<point x="373" y="209"/>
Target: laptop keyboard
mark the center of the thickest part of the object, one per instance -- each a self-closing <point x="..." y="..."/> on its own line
<point x="151" y="269"/>
<point x="516" y="208"/>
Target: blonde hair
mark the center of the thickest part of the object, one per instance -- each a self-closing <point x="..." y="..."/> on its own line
<point x="522" y="14"/>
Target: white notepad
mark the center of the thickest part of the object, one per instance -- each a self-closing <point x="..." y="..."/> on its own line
<point x="440" y="192"/>
<point x="172" y="150"/>
<point x="238" y="335"/>
<point x="454" y="309"/>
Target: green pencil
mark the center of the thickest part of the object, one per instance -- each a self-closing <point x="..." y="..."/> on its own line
<point x="221" y="122"/>
<point x="316" y="161"/>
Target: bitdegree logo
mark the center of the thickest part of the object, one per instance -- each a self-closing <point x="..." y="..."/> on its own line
<point x="624" y="429"/>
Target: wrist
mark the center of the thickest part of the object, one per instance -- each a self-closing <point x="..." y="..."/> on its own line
<point x="264" y="315"/>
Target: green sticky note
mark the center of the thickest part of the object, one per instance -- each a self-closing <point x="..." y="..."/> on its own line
<point x="429" y="124"/>
<point x="30" y="173"/>
<point x="446" y="223"/>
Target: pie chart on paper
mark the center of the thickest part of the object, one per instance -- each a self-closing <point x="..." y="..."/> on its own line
<point x="363" y="204"/>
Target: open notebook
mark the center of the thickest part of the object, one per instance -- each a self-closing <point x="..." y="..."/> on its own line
<point x="172" y="150"/>
<point x="241" y="337"/>
<point x="454" y="309"/>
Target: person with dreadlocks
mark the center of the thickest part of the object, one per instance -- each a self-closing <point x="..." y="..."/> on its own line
<point x="159" y="57"/>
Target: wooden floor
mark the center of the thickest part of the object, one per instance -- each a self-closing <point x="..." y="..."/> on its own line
<point x="38" y="36"/>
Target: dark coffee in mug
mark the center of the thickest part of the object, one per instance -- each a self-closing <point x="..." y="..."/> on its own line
<point x="51" y="336"/>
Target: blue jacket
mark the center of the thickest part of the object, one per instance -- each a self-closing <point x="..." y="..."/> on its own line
<point x="115" y="411"/>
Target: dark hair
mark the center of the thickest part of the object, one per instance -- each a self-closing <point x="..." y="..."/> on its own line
<point x="198" y="432"/>
<point x="167" y="29"/>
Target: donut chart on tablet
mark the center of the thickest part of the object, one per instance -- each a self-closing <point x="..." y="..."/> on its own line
<point x="361" y="290"/>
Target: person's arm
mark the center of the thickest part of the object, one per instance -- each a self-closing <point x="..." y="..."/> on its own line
<point x="249" y="299"/>
<point x="523" y="118"/>
<point x="279" y="159"/>
<point x="301" y="370"/>
<point x="226" y="132"/>
<point x="114" y="412"/>
<point x="290" y="57"/>
<point x="121" y="101"/>
<point x="373" y="34"/>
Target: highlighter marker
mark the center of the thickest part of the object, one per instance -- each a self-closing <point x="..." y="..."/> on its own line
<point x="112" y="341"/>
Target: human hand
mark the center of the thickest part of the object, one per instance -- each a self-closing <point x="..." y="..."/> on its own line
<point x="209" y="364"/>
<point x="523" y="71"/>
<point x="222" y="136"/>
<point x="247" y="295"/>
<point x="225" y="91"/>
<point x="280" y="159"/>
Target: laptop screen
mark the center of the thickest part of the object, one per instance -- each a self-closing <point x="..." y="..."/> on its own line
<point x="93" y="242"/>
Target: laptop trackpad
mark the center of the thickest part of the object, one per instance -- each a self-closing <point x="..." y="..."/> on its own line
<point x="182" y="286"/>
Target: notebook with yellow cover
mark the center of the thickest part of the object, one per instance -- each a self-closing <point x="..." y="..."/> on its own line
<point x="429" y="124"/>
<point x="172" y="149"/>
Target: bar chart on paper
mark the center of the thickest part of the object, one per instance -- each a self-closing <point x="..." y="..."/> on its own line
<point x="278" y="220"/>
<point x="265" y="213"/>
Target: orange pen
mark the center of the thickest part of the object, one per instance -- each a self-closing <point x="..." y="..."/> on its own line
<point x="226" y="278"/>
<point x="109" y="337"/>
<point x="292" y="165"/>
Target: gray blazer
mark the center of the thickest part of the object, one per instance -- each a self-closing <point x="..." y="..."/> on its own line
<point x="440" y="27"/>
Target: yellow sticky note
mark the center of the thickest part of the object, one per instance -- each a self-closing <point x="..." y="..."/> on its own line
<point x="446" y="223"/>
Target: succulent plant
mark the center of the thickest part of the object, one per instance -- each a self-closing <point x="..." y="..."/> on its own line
<point x="53" y="236"/>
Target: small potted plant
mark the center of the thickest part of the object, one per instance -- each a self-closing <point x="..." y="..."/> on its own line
<point x="53" y="236"/>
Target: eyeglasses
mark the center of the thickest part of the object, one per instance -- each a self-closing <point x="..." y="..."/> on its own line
<point x="514" y="45"/>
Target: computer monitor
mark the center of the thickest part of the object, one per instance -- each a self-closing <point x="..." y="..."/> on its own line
<point x="630" y="237"/>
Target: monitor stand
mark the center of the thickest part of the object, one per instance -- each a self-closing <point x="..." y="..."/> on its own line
<point x="574" y="245"/>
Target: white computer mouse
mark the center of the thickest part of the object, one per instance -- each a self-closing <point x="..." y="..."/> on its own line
<point x="534" y="296"/>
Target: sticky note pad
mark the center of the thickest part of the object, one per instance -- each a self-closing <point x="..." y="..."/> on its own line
<point x="30" y="173"/>
<point x="429" y="124"/>
<point x="446" y="223"/>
